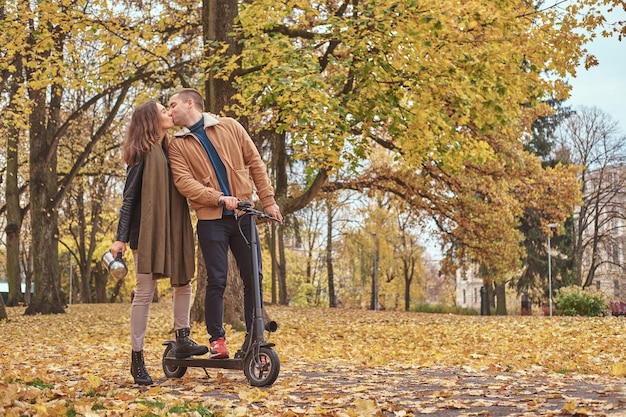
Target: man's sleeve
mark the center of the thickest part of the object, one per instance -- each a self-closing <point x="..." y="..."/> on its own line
<point x="258" y="169"/>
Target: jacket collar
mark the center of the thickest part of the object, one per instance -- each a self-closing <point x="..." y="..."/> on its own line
<point x="209" y="120"/>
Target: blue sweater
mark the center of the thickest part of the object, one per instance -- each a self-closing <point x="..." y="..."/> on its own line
<point x="220" y="170"/>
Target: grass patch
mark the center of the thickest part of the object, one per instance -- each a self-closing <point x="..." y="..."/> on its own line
<point x="157" y="404"/>
<point x="38" y="383"/>
<point x="198" y="409"/>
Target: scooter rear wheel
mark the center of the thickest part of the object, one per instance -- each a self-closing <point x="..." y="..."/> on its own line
<point x="170" y="370"/>
<point x="261" y="367"/>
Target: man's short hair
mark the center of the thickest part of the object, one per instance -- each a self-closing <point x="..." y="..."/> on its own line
<point x="193" y="95"/>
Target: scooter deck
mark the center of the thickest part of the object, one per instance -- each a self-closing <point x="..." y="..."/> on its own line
<point x="196" y="362"/>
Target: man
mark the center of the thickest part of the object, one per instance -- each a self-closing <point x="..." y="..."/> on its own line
<point x="215" y="165"/>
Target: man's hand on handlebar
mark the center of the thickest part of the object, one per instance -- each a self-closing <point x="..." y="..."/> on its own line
<point x="274" y="211"/>
<point x="246" y="206"/>
<point x="230" y="203"/>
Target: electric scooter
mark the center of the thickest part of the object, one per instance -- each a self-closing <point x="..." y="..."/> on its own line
<point x="257" y="359"/>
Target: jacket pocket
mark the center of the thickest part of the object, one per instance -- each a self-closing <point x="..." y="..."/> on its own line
<point x="242" y="183"/>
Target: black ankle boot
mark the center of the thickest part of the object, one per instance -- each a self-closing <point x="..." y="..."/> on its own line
<point x="138" y="369"/>
<point x="186" y="347"/>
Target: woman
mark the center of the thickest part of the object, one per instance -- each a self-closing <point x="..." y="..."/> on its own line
<point x="154" y="220"/>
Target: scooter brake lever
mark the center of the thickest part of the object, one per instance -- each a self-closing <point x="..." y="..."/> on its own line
<point x="243" y="205"/>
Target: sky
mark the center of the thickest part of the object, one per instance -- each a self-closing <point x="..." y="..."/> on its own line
<point x="603" y="86"/>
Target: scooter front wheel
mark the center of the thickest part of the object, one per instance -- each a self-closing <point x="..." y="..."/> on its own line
<point x="172" y="371"/>
<point x="261" y="366"/>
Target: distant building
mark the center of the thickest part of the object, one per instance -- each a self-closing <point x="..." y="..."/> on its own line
<point x="468" y="284"/>
<point x="607" y="225"/>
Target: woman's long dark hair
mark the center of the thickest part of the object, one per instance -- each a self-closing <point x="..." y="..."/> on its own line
<point x="143" y="132"/>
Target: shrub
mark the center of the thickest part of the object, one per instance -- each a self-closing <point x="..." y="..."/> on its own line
<point x="305" y="297"/>
<point x="576" y="301"/>
<point x="443" y="309"/>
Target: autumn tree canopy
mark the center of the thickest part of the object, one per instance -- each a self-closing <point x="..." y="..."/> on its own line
<point x="449" y="89"/>
<point x="64" y="63"/>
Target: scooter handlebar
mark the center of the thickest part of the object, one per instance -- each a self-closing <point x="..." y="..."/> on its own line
<point x="246" y="207"/>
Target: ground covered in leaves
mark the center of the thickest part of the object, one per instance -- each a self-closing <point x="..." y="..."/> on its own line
<point x="334" y="362"/>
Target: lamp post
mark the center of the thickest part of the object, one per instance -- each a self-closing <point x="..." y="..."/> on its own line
<point x="550" y="226"/>
<point x="374" y="305"/>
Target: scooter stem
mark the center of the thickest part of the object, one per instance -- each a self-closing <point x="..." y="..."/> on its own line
<point x="256" y="285"/>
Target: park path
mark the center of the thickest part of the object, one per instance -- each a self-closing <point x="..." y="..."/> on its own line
<point x="438" y="391"/>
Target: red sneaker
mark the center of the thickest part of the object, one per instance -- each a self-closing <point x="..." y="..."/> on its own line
<point x="219" y="349"/>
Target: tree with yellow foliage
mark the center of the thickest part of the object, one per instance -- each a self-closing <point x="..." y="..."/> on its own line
<point x="64" y="61"/>
<point x="451" y="89"/>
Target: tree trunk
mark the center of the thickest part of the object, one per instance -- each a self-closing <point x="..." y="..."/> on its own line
<point x="488" y="298"/>
<point x="14" y="213"/>
<point x="407" y="295"/>
<point x="12" y="231"/>
<point x="197" y="308"/>
<point x="217" y="26"/>
<point x="44" y="218"/>
<point x="409" y="274"/>
<point x="374" y="292"/>
<point x="88" y="244"/>
<point x="233" y="297"/>
<point x="83" y="267"/>
<point x="3" y="311"/>
<point x="26" y="267"/>
<point x="44" y="196"/>
<point x="501" y="299"/>
<point x="100" y="278"/>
